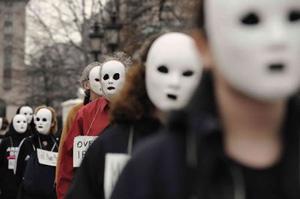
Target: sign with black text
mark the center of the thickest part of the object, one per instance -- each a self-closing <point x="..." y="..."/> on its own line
<point x="80" y="147"/>
<point x="48" y="158"/>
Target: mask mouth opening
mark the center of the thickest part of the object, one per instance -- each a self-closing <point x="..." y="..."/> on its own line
<point x="110" y="88"/>
<point x="277" y="67"/>
<point x="40" y="127"/>
<point x="172" y="96"/>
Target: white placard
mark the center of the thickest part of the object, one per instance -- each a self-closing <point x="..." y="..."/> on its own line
<point x="48" y="158"/>
<point x="13" y="151"/>
<point x="114" y="165"/>
<point x="80" y="147"/>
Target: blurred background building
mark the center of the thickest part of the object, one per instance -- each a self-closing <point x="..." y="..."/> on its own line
<point x="58" y="42"/>
<point x="12" y="65"/>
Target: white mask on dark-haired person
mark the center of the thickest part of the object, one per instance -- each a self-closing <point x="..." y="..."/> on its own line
<point x="20" y="123"/>
<point x="256" y="45"/>
<point x="173" y="71"/>
<point x="43" y="121"/>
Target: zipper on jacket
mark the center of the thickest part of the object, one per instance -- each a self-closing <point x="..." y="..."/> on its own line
<point x="239" y="191"/>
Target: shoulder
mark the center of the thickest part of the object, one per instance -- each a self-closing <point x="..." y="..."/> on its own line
<point x="75" y="109"/>
<point x="112" y="135"/>
<point x="158" y="148"/>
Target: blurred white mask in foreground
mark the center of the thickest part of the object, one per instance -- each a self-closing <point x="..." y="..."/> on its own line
<point x="256" y="45"/>
<point x="43" y="121"/>
<point x="20" y="123"/>
<point x="1" y="122"/>
<point x="28" y="112"/>
<point x="173" y="71"/>
<point x="112" y="78"/>
<point x="94" y="79"/>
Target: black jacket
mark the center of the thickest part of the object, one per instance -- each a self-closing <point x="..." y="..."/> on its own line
<point x="8" y="181"/>
<point x="27" y="147"/>
<point x="88" y="181"/>
<point x="189" y="160"/>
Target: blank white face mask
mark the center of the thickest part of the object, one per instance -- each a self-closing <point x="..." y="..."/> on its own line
<point x="20" y="123"/>
<point x="43" y="121"/>
<point x="173" y="71"/>
<point x="1" y="122"/>
<point x="28" y="112"/>
<point x="256" y="45"/>
<point x="112" y="78"/>
<point x="94" y="79"/>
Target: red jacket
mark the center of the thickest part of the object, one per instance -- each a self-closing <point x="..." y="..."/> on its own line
<point x="91" y="120"/>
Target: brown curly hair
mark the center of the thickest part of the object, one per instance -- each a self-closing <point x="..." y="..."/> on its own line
<point x="132" y="102"/>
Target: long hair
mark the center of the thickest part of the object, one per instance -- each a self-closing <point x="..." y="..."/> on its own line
<point x="132" y="102"/>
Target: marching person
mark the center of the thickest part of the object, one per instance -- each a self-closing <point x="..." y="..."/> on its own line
<point x="34" y="171"/>
<point x="239" y="137"/>
<point x="90" y="95"/>
<point x="8" y="151"/>
<point x="92" y="119"/>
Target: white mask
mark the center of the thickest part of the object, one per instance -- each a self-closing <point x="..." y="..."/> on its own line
<point x="28" y="112"/>
<point x="20" y="123"/>
<point x="1" y="122"/>
<point x="43" y="121"/>
<point x="173" y="71"/>
<point x="94" y="79"/>
<point x="256" y="45"/>
<point x="112" y="78"/>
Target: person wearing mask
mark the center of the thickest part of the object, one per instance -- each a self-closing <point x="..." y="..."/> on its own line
<point x="89" y="96"/>
<point x="28" y="112"/>
<point x="239" y="136"/>
<point x="159" y="84"/>
<point x="8" y="151"/>
<point x="91" y="119"/>
<point x="36" y="160"/>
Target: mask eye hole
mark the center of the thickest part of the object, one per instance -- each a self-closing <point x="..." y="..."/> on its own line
<point x="18" y="121"/>
<point x="294" y="16"/>
<point x="38" y="119"/>
<point x="116" y="76"/>
<point x="250" y="19"/>
<point x="97" y="80"/>
<point x="188" y="73"/>
<point x="24" y="121"/>
<point x="163" y="69"/>
<point x="44" y="120"/>
<point x="106" y="77"/>
<point x="25" y="113"/>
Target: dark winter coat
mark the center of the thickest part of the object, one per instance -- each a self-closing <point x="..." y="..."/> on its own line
<point x="8" y="152"/>
<point x="27" y="148"/>
<point x="89" y="179"/>
<point x="189" y="161"/>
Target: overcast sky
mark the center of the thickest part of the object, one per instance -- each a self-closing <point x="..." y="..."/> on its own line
<point x="45" y="9"/>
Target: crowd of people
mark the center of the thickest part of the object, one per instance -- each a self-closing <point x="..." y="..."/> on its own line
<point x="209" y="113"/>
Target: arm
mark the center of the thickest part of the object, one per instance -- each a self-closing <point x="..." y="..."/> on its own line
<point x="69" y="121"/>
<point x="65" y="172"/>
<point x="25" y="150"/>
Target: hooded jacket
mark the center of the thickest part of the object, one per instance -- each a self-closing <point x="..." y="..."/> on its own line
<point x="189" y="160"/>
<point x="8" y="151"/>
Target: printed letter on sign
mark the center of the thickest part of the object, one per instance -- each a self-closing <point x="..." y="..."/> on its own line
<point x="80" y="146"/>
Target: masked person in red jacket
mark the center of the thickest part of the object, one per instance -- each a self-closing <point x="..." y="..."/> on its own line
<point x="93" y="118"/>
